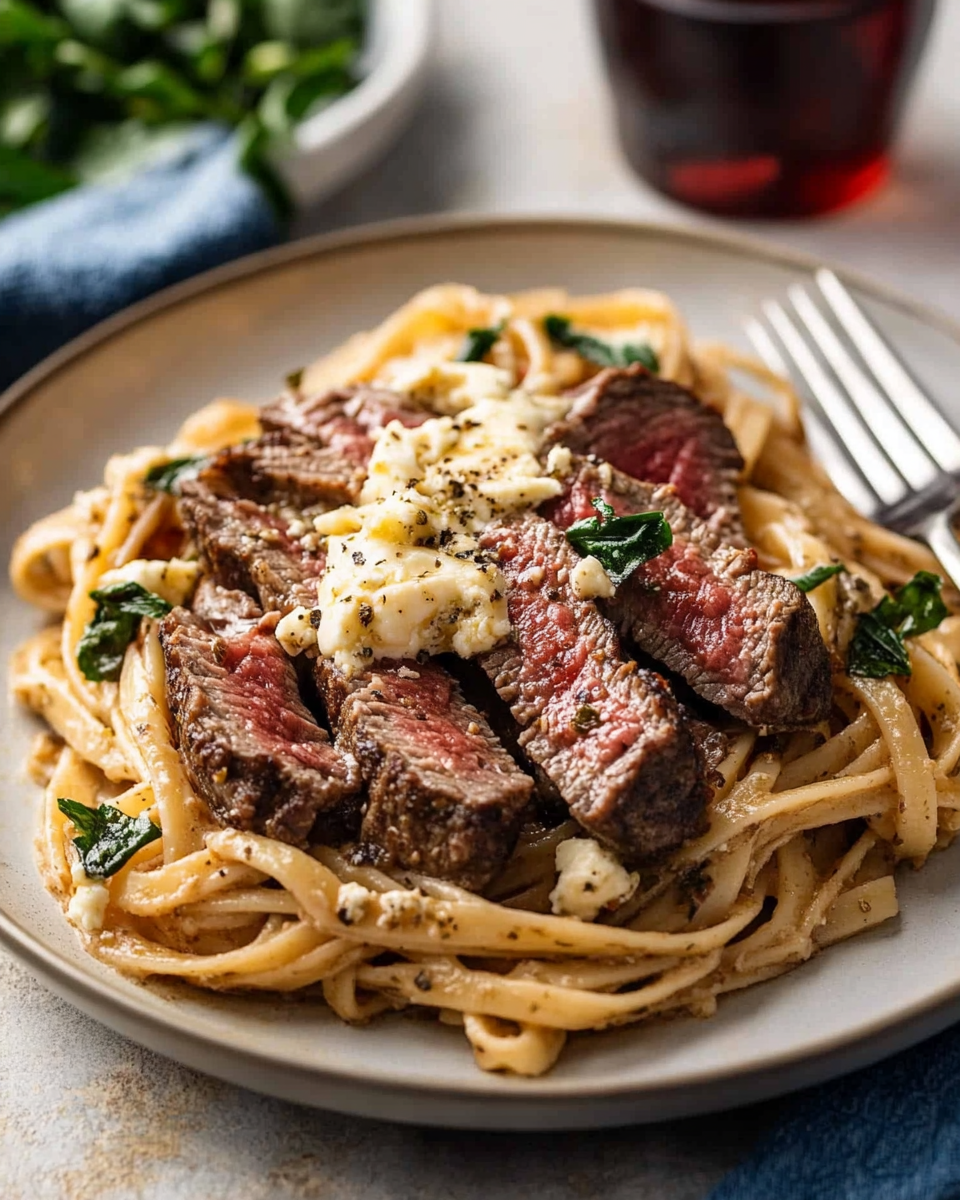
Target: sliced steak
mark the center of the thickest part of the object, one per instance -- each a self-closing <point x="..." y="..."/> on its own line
<point x="610" y="736"/>
<point x="743" y="639"/>
<point x="248" y="549"/>
<point x="445" y="798"/>
<point x="251" y="748"/>
<point x="285" y="468"/>
<point x="659" y="432"/>
<point x="346" y="419"/>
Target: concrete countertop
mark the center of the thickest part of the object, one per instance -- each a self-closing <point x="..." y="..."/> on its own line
<point x="515" y="120"/>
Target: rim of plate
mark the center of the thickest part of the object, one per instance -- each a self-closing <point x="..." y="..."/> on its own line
<point x="98" y="992"/>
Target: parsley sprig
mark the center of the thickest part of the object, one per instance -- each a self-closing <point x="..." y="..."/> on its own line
<point x="620" y="544"/>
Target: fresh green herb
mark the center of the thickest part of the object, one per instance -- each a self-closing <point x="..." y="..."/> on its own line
<point x="878" y="647"/>
<point x="560" y="331"/>
<point x="620" y="544"/>
<point x="168" y="476"/>
<point x="294" y="379"/>
<point x="107" y="838"/>
<point x="114" y="626"/>
<point x="97" y="89"/>
<point x="817" y="575"/>
<point x="876" y="650"/>
<point x="918" y="605"/>
<point x="479" y="342"/>
<point x="586" y="718"/>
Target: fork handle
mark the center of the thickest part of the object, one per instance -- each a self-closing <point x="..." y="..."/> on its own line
<point x="937" y="532"/>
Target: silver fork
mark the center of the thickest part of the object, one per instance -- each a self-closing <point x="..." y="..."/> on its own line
<point x="881" y="439"/>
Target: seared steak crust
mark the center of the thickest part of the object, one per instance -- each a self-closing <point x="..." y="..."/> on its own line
<point x="444" y="797"/>
<point x="659" y="432"/>
<point x="609" y="735"/>
<point x="286" y="468"/>
<point x="345" y="419"/>
<point x="742" y="638"/>
<point x="251" y="748"/>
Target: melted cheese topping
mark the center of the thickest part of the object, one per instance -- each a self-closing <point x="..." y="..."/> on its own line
<point x="405" y="573"/>
<point x="446" y="388"/>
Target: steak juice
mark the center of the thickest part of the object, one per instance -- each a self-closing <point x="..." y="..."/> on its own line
<point x="780" y="108"/>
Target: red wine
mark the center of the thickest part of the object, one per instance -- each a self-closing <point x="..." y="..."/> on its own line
<point x="776" y="108"/>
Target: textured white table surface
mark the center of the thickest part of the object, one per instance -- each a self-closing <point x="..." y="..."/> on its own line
<point x="515" y="120"/>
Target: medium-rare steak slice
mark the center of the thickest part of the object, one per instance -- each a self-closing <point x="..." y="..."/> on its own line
<point x="445" y="798"/>
<point x="248" y="549"/>
<point x="659" y="432"/>
<point x="251" y="748"/>
<point x="286" y="468"/>
<point x="345" y="419"/>
<point x="743" y="639"/>
<point x="610" y="736"/>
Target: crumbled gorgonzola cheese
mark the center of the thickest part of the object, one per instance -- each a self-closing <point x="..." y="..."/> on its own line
<point x="590" y="879"/>
<point x="559" y="462"/>
<point x="297" y="631"/>
<point x="88" y="904"/>
<point x="353" y="900"/>
<point x="400" y="906"/>
<point x="589" y="580"/>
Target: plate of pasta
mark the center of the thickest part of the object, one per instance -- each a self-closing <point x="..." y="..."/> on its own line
<point x="488" y="652"/>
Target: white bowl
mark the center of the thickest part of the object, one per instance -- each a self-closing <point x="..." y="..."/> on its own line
<point x="340" y="141"/>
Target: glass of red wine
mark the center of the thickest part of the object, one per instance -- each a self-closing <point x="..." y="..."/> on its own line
<point x="761" y="108"/>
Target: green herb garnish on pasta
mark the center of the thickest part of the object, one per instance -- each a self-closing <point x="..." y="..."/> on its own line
<point x="120" y="608"/>
<point x="620" y="544"/>
<point x="878" y="647"/>
<point x="106" y="837"/>
<point x="593" y="349"/>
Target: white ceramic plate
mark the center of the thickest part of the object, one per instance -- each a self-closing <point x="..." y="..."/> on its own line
<point x="336" y="144"/>
<point x="236" y="332"/>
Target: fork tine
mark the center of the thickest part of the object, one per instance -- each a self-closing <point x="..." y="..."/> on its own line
<point x="930" y="428"/>
<point x="838" y="411"/>
<point x="825" y="449"/>
<point x="898" y="443"/>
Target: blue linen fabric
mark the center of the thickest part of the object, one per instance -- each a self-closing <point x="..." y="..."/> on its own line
<point x="69" y="262"/>
<point x="890" y="1132"/>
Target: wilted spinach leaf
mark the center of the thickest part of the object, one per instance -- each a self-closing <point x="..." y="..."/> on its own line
<point x="620" y="544"/>
<point x="561" y="332"/>
<point x="120" y="608"/>
<point x="107" y="838"/>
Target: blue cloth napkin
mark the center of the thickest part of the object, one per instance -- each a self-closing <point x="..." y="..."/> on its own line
<point x="890" y="1132"/>
<point x="71" y="261"/>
